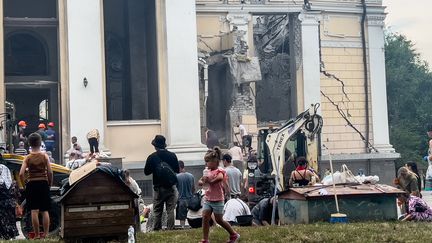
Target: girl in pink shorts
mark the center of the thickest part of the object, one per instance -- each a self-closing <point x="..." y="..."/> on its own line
<point x="214" y="196"/>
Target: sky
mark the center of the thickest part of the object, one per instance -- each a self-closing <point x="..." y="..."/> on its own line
<point x="413" y="18"/>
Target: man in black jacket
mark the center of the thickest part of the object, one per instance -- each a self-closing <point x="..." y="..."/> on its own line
<point x="163" y="194"/>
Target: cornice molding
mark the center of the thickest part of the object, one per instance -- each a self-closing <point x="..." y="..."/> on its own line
<point x="238" y="18"/>
<point x="376" y="20"/>
<point x="309" y="18"/>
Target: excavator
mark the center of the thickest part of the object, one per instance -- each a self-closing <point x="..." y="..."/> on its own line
<point x="277" y="147"/>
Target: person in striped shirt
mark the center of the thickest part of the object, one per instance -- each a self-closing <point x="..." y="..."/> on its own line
<point x="21" y="150"/>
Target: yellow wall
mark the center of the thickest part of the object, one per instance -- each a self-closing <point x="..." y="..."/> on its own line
<point x="130" y="141"/>
<point x="345" y="63"/>
<point x="212" y="30"/>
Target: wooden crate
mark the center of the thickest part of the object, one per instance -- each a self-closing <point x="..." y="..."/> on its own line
<point x="98" y="205"/>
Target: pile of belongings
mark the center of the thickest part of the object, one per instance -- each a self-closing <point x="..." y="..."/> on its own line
<point x="346" y="176"/>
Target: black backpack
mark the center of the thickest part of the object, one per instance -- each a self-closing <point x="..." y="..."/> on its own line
<point x="167" y="176"/>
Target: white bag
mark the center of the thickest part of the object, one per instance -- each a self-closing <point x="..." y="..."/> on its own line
<point x="337" y="176"/>
<point x="367" y="179"/>
<point x="347" y="175"/>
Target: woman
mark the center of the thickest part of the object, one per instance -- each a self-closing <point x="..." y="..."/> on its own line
<point x="8" y="229"/>
<point x="301" y="176"/>
<point x="417" y="209"/>
<point x="412" y="166"/>
<point x="407" y="181"/>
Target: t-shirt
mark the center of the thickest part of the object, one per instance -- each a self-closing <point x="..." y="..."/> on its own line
<point x="75" y="164"/>
<point x="234" y="208"/>
<point x="234" y="179"/>
<point x="263" y="211"/>
<point x="215" y="191"/>
<point x="236" y="153"/>
<point x="50" y="135"/>
<point x="242" y="129"/>
<point x="21" y="151"/>
<point x="185" y="185"/>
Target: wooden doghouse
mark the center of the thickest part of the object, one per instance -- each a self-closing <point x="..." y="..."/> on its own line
<point x="359" y="202"/>
<point x="98" y="205"/>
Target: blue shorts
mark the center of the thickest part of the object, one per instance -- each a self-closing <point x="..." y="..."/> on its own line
<point x="216" y="207"/>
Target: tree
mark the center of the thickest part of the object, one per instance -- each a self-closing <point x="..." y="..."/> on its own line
<point x="409" y="98"/>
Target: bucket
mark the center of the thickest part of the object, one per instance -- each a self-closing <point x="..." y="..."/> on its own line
<point x="428" y="185"/>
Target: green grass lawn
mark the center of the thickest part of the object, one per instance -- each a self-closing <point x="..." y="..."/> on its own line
<point x="321" y="232"/>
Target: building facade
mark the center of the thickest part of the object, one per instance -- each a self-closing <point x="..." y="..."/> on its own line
<point x="137" y="68"/>
<point x="325" y="51"/>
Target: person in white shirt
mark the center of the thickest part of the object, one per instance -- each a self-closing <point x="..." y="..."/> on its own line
<point x="237" y="156"/>
<point x="233" y="208"/>
<point x="246" y="138"/>
<point x="132" y="184"/>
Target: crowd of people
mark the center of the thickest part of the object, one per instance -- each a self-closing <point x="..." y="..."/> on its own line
<point x="220" y="191"/>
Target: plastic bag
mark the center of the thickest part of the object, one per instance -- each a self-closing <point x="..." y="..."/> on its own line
<point x="337" y="176"/>
<point x="347" y="176"/>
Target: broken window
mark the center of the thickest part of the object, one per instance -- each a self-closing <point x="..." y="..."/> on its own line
<point x="274" y="40"/>
<point x="131" y="60"/>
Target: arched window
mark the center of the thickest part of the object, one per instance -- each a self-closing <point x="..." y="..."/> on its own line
<point x="25" y="55"/>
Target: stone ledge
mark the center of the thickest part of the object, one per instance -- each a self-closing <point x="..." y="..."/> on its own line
<point x="363" y="156"/>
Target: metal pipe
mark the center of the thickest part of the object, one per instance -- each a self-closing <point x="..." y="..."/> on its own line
<point x="365" y="73"/>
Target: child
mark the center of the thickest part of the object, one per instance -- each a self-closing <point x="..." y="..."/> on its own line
<point x="93" y="140"/>
<point x="39" y="180"/>
<point x="214" y="196"/>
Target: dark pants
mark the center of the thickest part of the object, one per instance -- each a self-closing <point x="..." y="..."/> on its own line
<point x="94" y="145"/>
<point x="168" y="197"/>
<point x="247" y="142"/>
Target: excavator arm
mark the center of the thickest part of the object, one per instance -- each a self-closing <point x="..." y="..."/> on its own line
<point x="308" y="122"/>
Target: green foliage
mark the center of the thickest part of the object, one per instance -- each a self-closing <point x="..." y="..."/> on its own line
<point x="409" y="96"/>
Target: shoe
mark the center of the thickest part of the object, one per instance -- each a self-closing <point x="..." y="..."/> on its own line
<point x="234" y="238"/>
<point x="204" y="241"/>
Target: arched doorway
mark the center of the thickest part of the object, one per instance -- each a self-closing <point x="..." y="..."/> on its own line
<point x="31" y="62"/>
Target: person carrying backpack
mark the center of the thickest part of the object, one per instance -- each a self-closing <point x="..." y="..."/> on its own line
<point x="164" y="166"/>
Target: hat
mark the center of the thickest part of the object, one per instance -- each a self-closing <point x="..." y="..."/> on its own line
<point x="41" y="125"/>
<point x="159" y="142"/>
<point x="51" y="124"/>
<point x="22" y="124"/>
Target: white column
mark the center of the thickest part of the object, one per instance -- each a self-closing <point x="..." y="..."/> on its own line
<point x="375" y="35"/>
<point x="310" y="58"/>
<point x="85" y="58"/>
<point x="183" y="112"/>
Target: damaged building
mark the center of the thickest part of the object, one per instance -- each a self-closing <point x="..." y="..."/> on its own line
<point x="324" y="51"/>
<point x="137" y="68"/>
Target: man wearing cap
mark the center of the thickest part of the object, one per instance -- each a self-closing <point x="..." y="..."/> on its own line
<point x="162" y="195"/>
<point x="41" y="132"/>
<point x="21" y="131"/>
<point x="51" y="137"/>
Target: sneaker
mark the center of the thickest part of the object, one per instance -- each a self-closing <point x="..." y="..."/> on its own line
<point x="204" y="241"/>
<point x="234" y="238"/>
